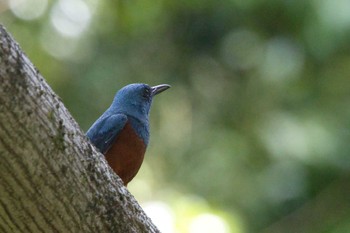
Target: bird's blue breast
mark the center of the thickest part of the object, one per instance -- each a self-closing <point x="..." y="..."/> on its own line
<point x="140" y="128"/>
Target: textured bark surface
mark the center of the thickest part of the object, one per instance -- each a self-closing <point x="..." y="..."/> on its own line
<point x="51" y="178"/>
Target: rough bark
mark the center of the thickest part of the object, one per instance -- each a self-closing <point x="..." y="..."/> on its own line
<point x="51" y="178"/>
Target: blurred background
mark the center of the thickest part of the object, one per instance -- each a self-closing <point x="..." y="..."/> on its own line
<point x="254" y="134"/>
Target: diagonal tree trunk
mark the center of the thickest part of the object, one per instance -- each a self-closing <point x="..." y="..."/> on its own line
<point x="51" y="178"/>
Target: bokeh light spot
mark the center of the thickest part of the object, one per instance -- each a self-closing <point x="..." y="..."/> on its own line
<point x="285" y="136"/>
<point x="335" y="13"/>
<point x="70" y="17"/>
<point x="208" y="223"/>
<point x="161" y="214"/>
<point x="28" y="9"/>
<point x="283" y="61"/>
<point x="56" y="45"/>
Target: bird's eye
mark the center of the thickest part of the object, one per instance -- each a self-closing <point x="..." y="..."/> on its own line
<point x="146" y="93"/>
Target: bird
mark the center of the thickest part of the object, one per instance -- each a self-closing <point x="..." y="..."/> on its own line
<point x="121" y="133"/>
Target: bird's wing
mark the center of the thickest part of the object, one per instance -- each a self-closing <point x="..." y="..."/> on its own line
<point x="104" y="131"/>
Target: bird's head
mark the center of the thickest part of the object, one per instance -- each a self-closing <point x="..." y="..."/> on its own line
<point x="136" y="99"/>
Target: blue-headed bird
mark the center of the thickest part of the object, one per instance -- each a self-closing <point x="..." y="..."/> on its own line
<point x="122" y="132"/>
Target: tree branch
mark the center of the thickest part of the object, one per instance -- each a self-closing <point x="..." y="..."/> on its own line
<point x="51" y="178"/>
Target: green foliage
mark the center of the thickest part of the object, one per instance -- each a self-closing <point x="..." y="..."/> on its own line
<point x="257" y="120"/>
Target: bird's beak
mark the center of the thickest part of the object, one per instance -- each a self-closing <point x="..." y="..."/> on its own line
<point x="159" y="88"/>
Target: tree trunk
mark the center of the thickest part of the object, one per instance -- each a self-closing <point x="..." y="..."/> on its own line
<point x="51" y="178"/>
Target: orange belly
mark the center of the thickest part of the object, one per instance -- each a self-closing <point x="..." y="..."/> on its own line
<point x="126" y="154"/>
